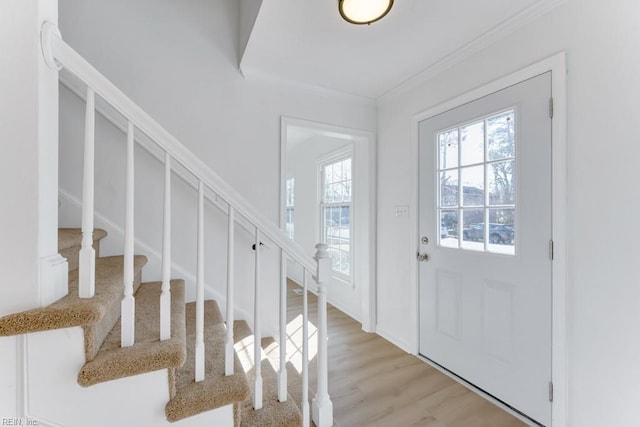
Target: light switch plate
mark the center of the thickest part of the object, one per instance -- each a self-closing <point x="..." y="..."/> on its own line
<point x="402" y="211"/>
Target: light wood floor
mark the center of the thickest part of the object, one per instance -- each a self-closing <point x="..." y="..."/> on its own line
<point x="374" y="383"/>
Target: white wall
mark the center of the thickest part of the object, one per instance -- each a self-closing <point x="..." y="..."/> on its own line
<point x="178" y="61"/>
<point x="302" y="165"/>
<point x="28" y="176"/>
<point x="249" y="10"/>
<point x="601" y="41"/>
<point x="28" y="129"/>
<point x="56" y="399"/>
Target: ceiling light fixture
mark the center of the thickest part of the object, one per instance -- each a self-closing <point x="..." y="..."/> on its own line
<point x="364" y="11"/>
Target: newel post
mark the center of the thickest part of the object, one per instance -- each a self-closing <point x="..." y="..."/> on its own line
<point x="322" y="408"/>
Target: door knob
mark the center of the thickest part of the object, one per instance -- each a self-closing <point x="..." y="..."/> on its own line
<point x="423" y="257"/>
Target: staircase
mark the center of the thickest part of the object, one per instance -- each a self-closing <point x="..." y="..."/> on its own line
<point x="106" y="360"/>
<point x="134" y="332"/>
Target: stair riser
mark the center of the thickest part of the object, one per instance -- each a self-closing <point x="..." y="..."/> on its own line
<point x="72" y="254"/>
<point x="67" y="236"/>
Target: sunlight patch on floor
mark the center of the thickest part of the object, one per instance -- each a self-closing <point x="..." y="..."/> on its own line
<point x="294" y="342"/>
<point x="244" y="349"/>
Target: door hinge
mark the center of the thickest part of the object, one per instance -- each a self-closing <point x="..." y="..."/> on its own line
<point x="550" y="391"/>
<point x="551" y="108"/>
<point x="551" y="250"/>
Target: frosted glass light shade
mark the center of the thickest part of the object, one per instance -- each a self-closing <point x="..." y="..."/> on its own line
<point x="364" y="11"/>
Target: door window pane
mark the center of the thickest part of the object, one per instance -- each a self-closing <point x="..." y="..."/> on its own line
<point x="472" y="143"/>
<point x="473" y="186"/>
<point x="448" y="142"/>
<point x="502" y="233"/>
<point x="501" y="183"/>
<point x="500" y="136"/>
<point x="449" y="188"/>
<point x="473" y="229"/>
<point x="449" y="228"/>
<point x="485" y="175"/>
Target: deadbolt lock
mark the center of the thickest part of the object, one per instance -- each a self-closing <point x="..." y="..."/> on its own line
<point x="424" y="240"/>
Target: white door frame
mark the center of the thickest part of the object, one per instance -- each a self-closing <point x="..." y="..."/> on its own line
<point x="364" y="152"/>
<point x="557" y="65"/>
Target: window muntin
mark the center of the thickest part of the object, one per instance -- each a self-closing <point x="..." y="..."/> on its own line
<point x="476" y="184"/>
<point x="336" y="212"/>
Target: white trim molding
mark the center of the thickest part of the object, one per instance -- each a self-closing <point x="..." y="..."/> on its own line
<point x="557" y="65"/>
<point x="54" y="279"/>
<point x="501" y="30"/>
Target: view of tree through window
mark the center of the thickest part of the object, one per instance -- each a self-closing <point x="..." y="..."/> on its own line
<point x="336" y="212"/>
<point x="476" y="181"/>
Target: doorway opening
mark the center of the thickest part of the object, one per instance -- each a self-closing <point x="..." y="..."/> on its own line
<point x="327" y="195"/>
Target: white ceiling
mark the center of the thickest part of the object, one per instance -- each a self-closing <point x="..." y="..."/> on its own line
<point x="296" y="135"/>
<point x="307" y="40"/>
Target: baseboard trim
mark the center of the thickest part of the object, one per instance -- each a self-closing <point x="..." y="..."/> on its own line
<point x="313" y="289"/>
<point x="403" y="345"/>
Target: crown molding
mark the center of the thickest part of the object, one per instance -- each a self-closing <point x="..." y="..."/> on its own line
<point x="486" y="39"/>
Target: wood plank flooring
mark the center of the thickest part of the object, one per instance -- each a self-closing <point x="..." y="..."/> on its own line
<point x="374" y="383"/>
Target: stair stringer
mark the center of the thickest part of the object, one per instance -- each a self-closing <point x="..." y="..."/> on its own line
<point x="52" y="395"/>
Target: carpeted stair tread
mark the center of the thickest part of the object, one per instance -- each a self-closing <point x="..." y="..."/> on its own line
<point x="72" y="310"/>
<point x="112" y="270"/>
<point x="216" y="390"/>
<point x="148" y="353"/>
<point x="69" y="242"/>
<point x="273" y="412"/>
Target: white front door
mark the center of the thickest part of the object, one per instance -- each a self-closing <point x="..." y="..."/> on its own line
<point x="485" y="235"/>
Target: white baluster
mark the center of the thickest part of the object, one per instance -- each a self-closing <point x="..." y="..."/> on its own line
<point x="282" y="375"/>
<point x="200" y="288"/>
<point x="305" y="352"/>
<point x="87" y="255"/>
<point x="165" y="296"/>
<point x="257" y="333"/>
<point x="228" y="340"/>
<point x="128" y="302"/>
<point x="322" y="405"/>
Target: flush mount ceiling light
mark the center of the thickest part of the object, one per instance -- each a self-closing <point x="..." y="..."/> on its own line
<point x="364" y="11"/>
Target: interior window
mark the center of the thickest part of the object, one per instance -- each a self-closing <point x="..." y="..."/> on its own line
<point x="289" y="208"/>
<point x="335" y="207"/>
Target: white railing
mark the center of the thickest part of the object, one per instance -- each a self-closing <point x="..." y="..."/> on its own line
<point x="57" y="52"/>
<point x="257" y="329"/>
<point x="229" y="340"/>
<point x="165" y="296"/>
<point x="128" y="305"/>
<point x="87" y="256"/>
